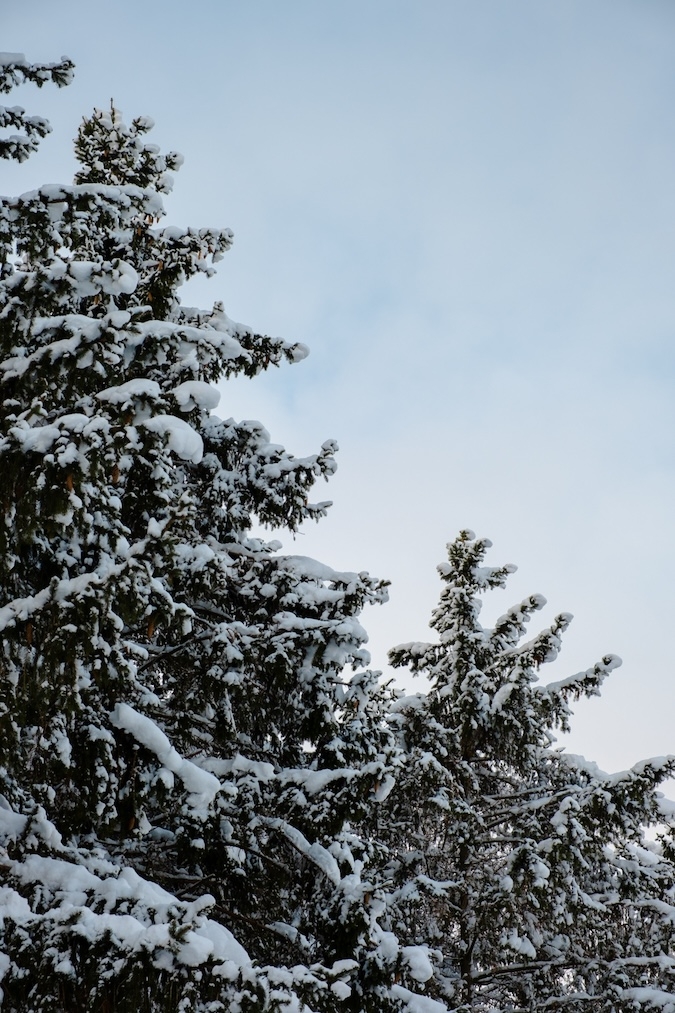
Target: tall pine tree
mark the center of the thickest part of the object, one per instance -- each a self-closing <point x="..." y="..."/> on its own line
<point x="185" y="756"/>
<point x="529" y="871"/>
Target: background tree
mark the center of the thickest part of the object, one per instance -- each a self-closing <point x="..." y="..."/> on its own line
<point x="528" y="869"/>
<point x="183" y="759"/>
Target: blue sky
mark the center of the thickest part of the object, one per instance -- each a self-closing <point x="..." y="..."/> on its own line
<point x="467" y="211"/>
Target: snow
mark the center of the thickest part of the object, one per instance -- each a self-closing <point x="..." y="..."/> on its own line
<point x="418" y="962"/>
<point x="12" y="905"/>
<point x="118" y="278"/>
<point x="341" y="989"/>
<point x="520" y="944"/>
<point x="239" y="764"/>
<point x="202" y="785"/>
<point x="666" y="807"/>
<point x="22" y="608"/>
<point x="74" y="885"/>
<point x="12" y="825"/>
<point x="653" y="996"/>
<point x="412" y="702"/>
<point x="652" y="765"/>
<point x="196" y="394"/>
<point x="414" y="1003"/>
<point x="41" y="438"/>
<point x="5" y="962"/>
<point x="315" y="852"/>
<point x="185" y="441"/>
<point x="125" y="393"/>
<point x="38" y="440"/>
<point x="224" y="946"/>
<point x="344" y="966"/>
<point x="193" y="338"/>
<point x="501" y="697"/>
<point x="383" y="790"/>
<point x="608" y="664"/>
<point x="305" y="566"/>
<point x="299" y="352"/>
<point x="315" y="781"/>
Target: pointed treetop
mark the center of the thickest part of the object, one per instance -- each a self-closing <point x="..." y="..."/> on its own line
<point x="113" y="153"/>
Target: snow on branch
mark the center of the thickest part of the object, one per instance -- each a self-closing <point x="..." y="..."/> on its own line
<point x="202" y="785"/>
<point x="15" y="70"/>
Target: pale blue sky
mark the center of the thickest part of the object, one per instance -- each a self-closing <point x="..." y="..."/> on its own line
<point x="467" y="211"/>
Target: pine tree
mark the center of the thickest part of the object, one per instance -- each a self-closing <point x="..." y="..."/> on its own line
<point x="185" y="758"/>
<point x="529" y="871"/>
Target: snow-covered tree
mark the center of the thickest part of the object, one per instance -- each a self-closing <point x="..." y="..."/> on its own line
<point x="529" y="871"/>
<point x="189" y="740"/>
<point x="207" y="801"/>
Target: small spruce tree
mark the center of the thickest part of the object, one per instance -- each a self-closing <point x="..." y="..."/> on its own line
<point x="526" y="869"/>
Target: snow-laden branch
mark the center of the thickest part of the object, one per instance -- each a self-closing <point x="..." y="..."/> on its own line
<point x="202" y="785"/>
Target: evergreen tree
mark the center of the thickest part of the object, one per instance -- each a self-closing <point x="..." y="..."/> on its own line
<point x="526" y="869"/>
<point x="207" y="801"/>
<point x="184" y="760"/>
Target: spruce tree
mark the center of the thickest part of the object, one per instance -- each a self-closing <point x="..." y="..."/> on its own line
<point x="207" y="801"/>
<point x="189" y="740"/>
<point x="529" y="872"/>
